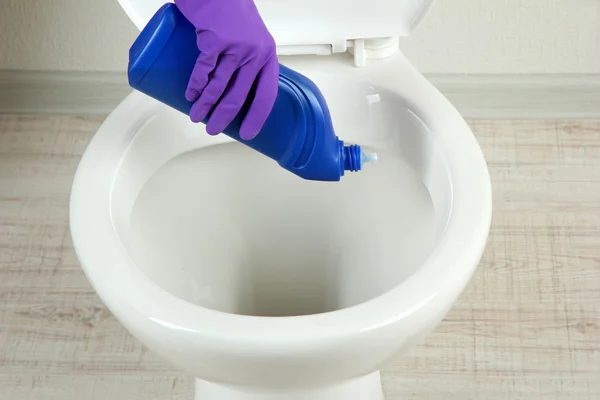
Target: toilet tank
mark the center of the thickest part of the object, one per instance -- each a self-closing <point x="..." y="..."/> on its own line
<point x="326" y="22"/>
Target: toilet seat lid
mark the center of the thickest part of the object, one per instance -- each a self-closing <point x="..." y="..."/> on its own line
<point x="310" y="22"/>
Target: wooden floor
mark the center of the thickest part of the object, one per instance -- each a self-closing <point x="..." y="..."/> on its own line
<point x="527" y="327"/>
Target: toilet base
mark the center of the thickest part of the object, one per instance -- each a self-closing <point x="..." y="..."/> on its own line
<point x="364" y="388"/>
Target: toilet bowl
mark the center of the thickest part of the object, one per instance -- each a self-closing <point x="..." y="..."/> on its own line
<point x="265" y="286"/>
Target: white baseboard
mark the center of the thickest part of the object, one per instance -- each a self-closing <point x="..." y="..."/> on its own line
<point x="475" y="96"/>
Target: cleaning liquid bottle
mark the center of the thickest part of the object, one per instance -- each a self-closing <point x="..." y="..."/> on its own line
<point x="298" y="133"/>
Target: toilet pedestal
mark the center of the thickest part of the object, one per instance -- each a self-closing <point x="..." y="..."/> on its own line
<point x="364" y="388"/>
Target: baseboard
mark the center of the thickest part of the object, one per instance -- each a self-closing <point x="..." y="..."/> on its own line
<point x="68" y="92"/>
<point x="475" y="96"/>
<point x="525" y="96"/>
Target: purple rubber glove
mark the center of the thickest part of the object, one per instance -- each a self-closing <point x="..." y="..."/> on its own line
<point x="237" y="52"/>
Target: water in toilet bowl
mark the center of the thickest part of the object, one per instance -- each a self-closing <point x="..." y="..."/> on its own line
<point x="243" y="237"/>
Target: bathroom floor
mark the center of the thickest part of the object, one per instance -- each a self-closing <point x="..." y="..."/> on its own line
<point x="527" y="327"/>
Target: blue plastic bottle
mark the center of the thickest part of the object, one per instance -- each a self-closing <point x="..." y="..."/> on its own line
<point x="298" y="133"/>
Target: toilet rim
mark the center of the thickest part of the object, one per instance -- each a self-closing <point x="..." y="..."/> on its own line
<point x="117" y="279"/>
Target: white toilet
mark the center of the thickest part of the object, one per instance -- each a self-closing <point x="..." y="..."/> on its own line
<point x="264" y="286"/>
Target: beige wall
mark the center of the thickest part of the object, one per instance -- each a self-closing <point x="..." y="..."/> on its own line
<point x="458" y="36"/>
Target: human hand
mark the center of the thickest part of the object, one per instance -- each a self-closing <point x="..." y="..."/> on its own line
<point x="237" y="56"/>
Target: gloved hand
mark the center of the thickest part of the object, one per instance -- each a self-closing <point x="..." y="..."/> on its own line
<point x="237" y="51"/>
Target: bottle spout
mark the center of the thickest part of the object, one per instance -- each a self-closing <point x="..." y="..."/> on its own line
<point x="355" y="158"/>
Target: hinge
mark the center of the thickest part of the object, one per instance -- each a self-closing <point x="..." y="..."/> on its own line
<point x="361" y="49"/>
<point x="373" y="49"/>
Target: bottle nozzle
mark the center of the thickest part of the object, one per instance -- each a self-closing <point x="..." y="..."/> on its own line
<point x="355" y="157"/>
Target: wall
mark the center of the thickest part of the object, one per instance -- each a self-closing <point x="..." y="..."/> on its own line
<point x="458" y="36"/>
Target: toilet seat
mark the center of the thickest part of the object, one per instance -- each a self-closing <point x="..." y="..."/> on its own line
<point x="212" y="344"/>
